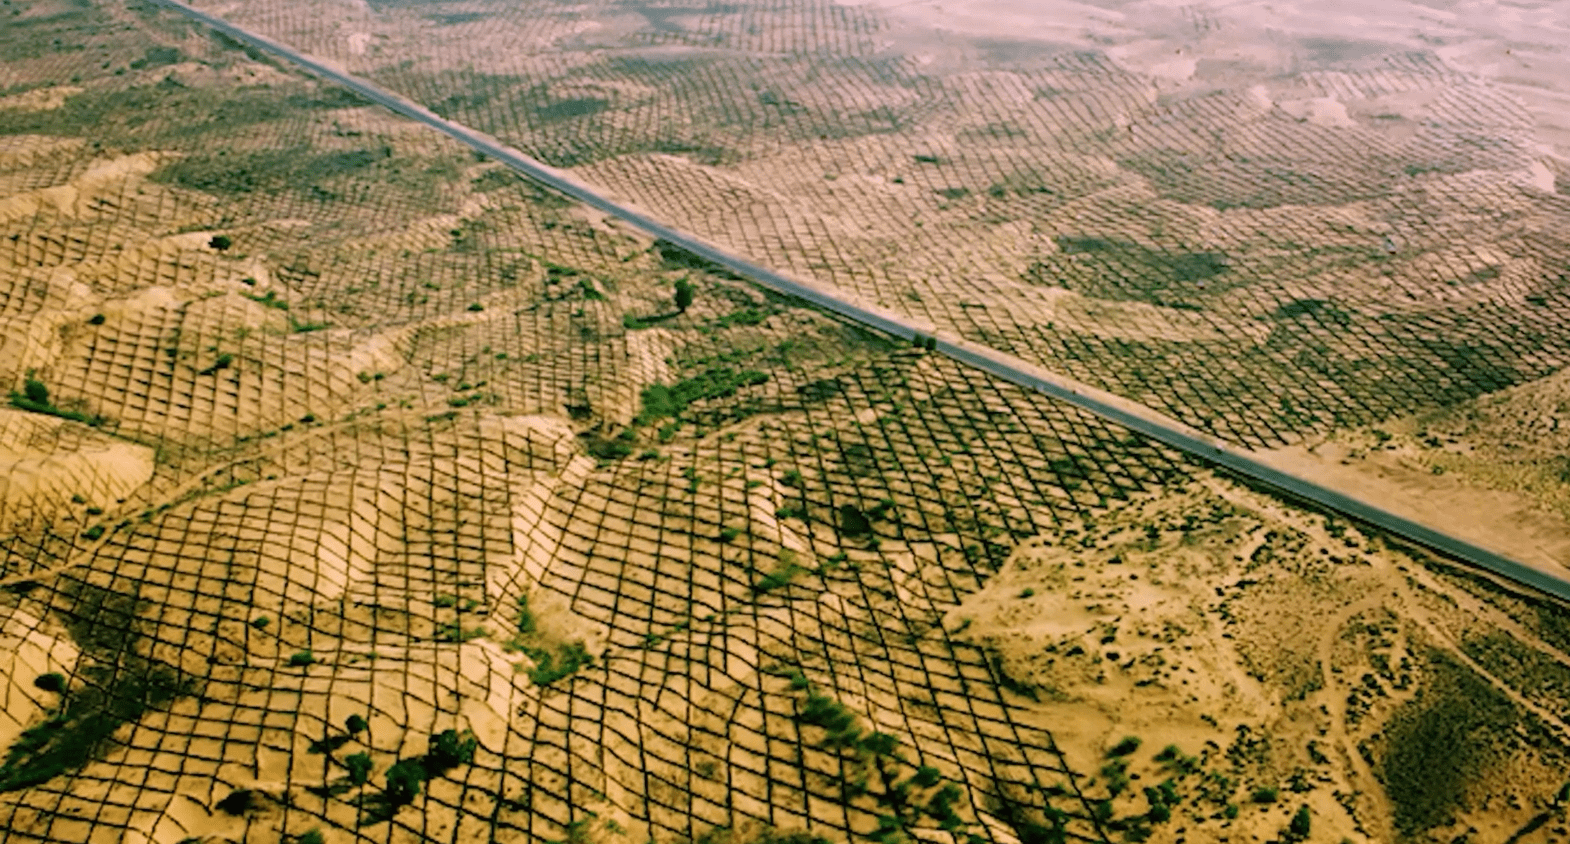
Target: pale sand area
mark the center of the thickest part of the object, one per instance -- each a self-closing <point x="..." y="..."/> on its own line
<point x="1517" y="46"/>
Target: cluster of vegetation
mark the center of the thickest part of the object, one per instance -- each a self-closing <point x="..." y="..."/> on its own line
<point x="660" y="401"/>
<point x="781" y="575"/>
<point x="35" y="397"/>
<point x="1128" y="271"/>
<point x="724" y="835"/>
<point x="685" y="293"/>
<point x="1438" y="743"/>
<point x="358" y="767"/>
<point x="157" y="57"/>
<point x="223" y="361"/>
<point x="550" y="663"/>
<point x="1039" y="821"/>
<point x="406" y="777"/>
<point x="118" y="687"/>
<point x="678" y="258"/>
<point x="270" y="299"/>
<point x="455" y="630"/>
<point x="611" y="449"/>
<point x="874" y="766"/>
<point x="297" y="168"/>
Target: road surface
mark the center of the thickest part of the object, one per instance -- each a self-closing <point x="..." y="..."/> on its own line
<point x="1131" y="415"/>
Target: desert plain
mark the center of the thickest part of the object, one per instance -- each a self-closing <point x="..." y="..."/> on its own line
<point x="355" y="488"/>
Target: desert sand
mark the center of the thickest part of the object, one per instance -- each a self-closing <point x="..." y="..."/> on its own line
<point x="353" y="488"/>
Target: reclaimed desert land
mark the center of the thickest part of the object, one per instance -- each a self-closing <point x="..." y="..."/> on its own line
<point x="354" y="488"/>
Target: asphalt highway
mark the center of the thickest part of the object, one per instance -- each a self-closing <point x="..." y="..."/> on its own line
<point x="1134" y="416"/>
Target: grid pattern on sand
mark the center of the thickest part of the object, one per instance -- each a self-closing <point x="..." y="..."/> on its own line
<point x="1350" y="243"/>
<point x="386" y="439"/>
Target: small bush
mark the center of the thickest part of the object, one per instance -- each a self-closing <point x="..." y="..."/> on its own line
<point x="302" y="658"/>
<point x="51" y="682"/>
<point x="403" y="782"/>
<point x="548" y="667"/>
<point x="1301" y="822"/>
<point x="452" y="631"/>
<point x="360" y="767"/>
<point x="237" y="802"/>
<point x="450" y="749"/>
<point x="729" y="534"/>
<point x="97" y="319"/>
<point x="685" y="293"/>
<point x="476" y="307"/>
<point x="35" y="391"/>
<point x="355" y="724"/>
<point x="261" y="622"/>
<point x="1128" y="745"/>
<point x="220" y="242"/>
<point x="1265" y="795"/>
<point x="853" y="522"/>
<point x="311" y="836"/>
<point x="224" y="361"/>
<point x="269" y="299"/>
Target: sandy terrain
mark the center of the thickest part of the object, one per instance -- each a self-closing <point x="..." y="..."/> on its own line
<point x="352" y="489"/>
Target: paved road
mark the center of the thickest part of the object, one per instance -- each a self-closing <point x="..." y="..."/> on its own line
<point x="1134" y="416"/>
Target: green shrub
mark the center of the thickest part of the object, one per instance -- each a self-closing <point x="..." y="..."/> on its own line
<point x="1265" y="795"/>
<point x="550" y="667"/>
<point x="1128" y="745"/>
<point x="853" y="522"/>
<point x="403" y="782"/>
<point x="1300" y="822"/>
<point x="355" y="724"/>
<point x="449" y="750"/>
<point x="836" y="720"/>
<point x="51" y="682"/>
<point x="360" y="767"/>
<point x="1116" y="775"/>
<point x="35" y="391"/>
<point x="302" y="658"/>
<point x="269" y="299"/>
<point x="220" y="242"/>
<point x="224" y="361"/>
<point x="452" y="631"/>
<point x="86" y="720"/>
<point x="685" y="293"/>
<point x="660" y="401"/>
